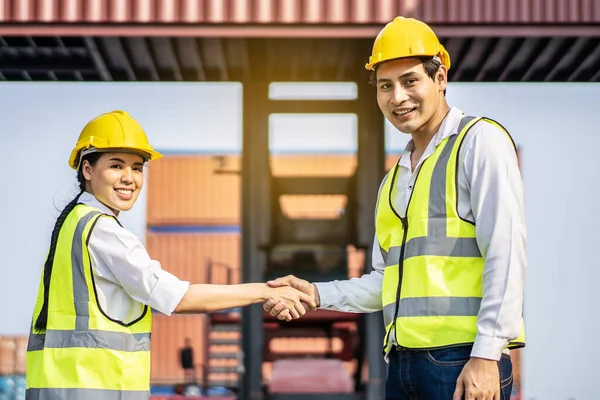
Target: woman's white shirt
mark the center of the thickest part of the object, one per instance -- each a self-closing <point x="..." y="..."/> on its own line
<point x="124" y="273"/>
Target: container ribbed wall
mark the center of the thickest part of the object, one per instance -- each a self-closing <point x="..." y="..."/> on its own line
<point x="298" y="11"/>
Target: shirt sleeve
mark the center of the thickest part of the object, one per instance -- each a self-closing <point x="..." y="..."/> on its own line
<point x="361" y="295"/>
<point x="492" y="172"/>
<point x="122" y="259"/>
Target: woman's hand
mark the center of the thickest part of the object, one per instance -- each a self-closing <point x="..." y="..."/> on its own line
<point x="291" y="299"/>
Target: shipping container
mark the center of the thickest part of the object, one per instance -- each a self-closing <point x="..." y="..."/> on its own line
<point x="186" y="255"/>
<point x="206" y="190"/>
<point x="168" y="337"/>
<point x="20" y="354"/>
<point x="297" y="11"/>
<point x="391" y="159"/>
<point x="8" y="348"/>
<point x="188" y="190"/>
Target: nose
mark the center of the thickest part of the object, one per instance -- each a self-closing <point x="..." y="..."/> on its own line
<point x="400" y="94"/>
<point x="127" y="175"/>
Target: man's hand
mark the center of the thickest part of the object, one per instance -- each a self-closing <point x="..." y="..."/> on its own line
<point x="479" y="380"/>
<point x="279" y="309"/>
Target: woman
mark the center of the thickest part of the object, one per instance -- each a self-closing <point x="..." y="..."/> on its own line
<point x="90" y="336"/>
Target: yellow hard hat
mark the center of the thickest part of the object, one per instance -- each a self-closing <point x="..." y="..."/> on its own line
<point x="113" y="130"/>
<point x="406" y="37"/>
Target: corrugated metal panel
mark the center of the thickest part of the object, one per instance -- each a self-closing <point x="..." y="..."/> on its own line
<point x="199" y="11"/>
<point x="508" y="11"/>
<point x="185" y="254"/>
<point x="168" y="336"/>
<point x="298" y="11"/>
<point x="8" y="347"/>
<point x="186" y="190"/>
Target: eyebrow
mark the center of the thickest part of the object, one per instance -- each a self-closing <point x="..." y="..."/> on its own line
<point x="121" y="161"/>
<point x="403" y="76"/>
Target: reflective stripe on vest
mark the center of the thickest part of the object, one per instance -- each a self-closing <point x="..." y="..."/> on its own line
<point x="84" y="394"/>
<point x="436" y="257"/>
<point x="84" y="353"/>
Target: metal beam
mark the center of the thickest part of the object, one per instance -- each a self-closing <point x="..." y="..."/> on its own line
<point x="369" y="173"/>
<point x="313" y="106"/>
<point x="544" y="60"/>
<point x="92" y="48"/>
<point x="520" y="59"/>
<point x="587" y="64"/>
<point x="187" y="52"/>
<point x="497" y="57"/>
<point x="290" y="31"/>
<point x="163" y="58"/>
<point x="573" y="56"/>
<point x="123" y="57"/>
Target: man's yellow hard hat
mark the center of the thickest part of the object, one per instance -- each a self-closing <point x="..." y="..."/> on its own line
<point x="114" y="130"/>
<point x="406" y="37"/>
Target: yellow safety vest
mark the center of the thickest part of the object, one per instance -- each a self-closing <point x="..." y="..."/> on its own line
<point x="432" y="282"/>
<point x="84" y="354"/>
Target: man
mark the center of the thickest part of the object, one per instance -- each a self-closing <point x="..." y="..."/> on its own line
<point x="449" y="253"/>
<point x="186" y="359"/>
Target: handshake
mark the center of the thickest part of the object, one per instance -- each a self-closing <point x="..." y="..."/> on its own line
<point x="290" y="297"/>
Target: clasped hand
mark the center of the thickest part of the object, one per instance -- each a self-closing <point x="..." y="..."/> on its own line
<point x="288" y="310"/>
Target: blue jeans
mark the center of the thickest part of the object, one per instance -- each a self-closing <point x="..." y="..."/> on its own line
<point x="432" y="374"/>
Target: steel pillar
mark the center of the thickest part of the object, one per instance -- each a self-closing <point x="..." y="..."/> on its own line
<point x="370" y="172"/>
<point x="255" y="222"/>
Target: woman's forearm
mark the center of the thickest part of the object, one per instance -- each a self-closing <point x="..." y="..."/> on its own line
<point x="204" y="298"/>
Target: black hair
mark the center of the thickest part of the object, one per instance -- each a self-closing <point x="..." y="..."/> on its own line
<point x="430" y="65"/>
<point x="42" y="320"/>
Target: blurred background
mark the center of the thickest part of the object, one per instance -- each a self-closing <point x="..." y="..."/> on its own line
<point x="274" y="150"/>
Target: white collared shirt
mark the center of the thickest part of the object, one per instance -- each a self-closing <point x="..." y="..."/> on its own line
<point x="126" y="277"/>
<point x="490" y="193"/>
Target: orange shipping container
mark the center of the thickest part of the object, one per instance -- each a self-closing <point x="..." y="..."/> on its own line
<point x="168" y="337"/>
<point x="190" y="190"/>
<point x="8" y="347"/>
<point x="391" y="160"/>
<point x="186" y="254"/>
<point x="21" y="354"/>
<point x="186" y="190"/>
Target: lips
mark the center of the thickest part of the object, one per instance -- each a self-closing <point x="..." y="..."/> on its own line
<point x="124" y="194"/>
<point x="403" y="112"/>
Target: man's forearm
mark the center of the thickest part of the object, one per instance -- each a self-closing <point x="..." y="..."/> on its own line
<point x="354" y="295"/>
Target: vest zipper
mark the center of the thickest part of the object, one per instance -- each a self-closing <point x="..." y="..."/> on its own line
<point x="404" y="222"/>
<point x="400" y="274"/>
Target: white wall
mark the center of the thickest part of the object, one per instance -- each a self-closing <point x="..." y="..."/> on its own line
<point x="554" y="124"/>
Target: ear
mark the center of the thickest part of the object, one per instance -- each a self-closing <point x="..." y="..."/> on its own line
<point x="86" y="170"/>
<point x="441" y="78"/>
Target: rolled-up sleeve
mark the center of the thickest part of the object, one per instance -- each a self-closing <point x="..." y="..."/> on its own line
<point x="362" y="295"/>
<point x="492" y="171"/>
<point x="122" y="259"/>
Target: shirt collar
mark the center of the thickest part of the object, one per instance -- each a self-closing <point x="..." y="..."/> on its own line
<point x="90" y="200"/>
<point x="448" y="128"/>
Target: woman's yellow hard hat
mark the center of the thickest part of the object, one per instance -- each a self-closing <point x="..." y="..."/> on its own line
<point x="406" y="37"/>
<point x="113" y="130"/>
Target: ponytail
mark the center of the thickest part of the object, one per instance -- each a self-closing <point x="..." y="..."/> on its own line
<point x="42" y="320"/>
